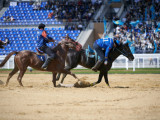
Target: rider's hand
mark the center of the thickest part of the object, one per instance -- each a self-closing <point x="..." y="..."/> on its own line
<point x="105" y="62"/>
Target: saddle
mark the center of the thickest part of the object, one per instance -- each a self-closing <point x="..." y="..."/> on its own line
<point x="42" y="56"/>
<point x="90" y="53"/>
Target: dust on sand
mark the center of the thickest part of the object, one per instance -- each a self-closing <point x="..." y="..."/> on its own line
<point x="131" y="97"/>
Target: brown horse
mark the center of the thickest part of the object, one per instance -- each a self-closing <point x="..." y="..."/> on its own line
<point x="25" y="58"/>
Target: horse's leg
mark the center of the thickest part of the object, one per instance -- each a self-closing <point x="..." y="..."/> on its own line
<point x="99" y="79"/>
<point x="54" y="79"/>
<point x="20" y="76"/>
<point x="106" y="78"/>
<point x="22" y="66"/>
<point x="21" y="73"/>
<point x="58" y="76"/>
<point x="64" y="75"/>
<point x="15" y="70"/>
<point x="69" y="72"/>
<point x="62" y="80"/>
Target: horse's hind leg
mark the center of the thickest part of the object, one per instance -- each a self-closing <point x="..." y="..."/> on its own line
<point x="106" y="78"/>
<point x="54" y="79"/>
<point x="22" y="71"/>
<point x="64" y="75"/>
<point x="15" y="70"/>
<point x="69" y="72"/>
<point x="62" y="80"/>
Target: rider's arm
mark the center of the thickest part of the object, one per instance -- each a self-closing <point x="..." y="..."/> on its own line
<point x="107" y="51"/>
<point x="47" y="37"/>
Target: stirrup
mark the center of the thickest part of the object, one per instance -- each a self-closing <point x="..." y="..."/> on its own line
<point x="94" y="69"/>
<point x="44" y="67"/>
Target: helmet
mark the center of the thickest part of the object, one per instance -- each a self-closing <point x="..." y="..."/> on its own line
<point x="117" y="42"/>
<point x="41" y="26"/>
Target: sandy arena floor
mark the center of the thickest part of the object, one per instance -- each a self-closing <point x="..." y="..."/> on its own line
<point x="131" y="97"/>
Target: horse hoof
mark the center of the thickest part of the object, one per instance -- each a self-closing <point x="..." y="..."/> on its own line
<point x="59" y="85"/>
<point x="108" y="85"/>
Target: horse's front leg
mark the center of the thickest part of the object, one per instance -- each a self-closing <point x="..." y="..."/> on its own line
<point x="54" y="78"/>
<point x="99" y="79"/>
<point x="106" y="78"/>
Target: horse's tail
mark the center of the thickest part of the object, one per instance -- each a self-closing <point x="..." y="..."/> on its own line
<point x="7" y="57"/>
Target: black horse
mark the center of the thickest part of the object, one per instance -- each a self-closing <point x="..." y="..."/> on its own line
<point x="74" y="58"/>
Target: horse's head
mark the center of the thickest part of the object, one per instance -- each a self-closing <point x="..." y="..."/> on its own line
<point x="68" y="44"/>
<point x="125" y="50"/>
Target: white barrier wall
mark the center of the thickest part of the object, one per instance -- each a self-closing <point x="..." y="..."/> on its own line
<point x="140" y="61"/>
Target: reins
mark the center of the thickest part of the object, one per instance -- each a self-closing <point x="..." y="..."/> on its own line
<point x="121" y="51"/>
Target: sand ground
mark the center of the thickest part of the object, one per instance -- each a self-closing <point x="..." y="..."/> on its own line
<point x="131" y="97"/>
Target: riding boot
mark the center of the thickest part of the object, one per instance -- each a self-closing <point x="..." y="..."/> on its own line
<point x="96" y="66"/>
<point x="45" y="65"/>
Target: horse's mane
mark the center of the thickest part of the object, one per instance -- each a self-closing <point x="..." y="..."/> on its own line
<point x="56" y="47"/>
<point x="59" y="46"/>
<point x="114" y="53"/>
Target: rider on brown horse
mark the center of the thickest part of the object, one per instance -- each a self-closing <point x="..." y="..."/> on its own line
<point x="44" y="38"/>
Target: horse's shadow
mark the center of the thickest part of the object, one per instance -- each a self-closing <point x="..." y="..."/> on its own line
<point x="120" y="87"/>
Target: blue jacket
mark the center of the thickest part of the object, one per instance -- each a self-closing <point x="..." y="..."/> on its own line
<point x="106" y="43"/>
<point x="42" y="40"/>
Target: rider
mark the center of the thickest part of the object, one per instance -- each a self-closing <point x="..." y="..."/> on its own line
<point x="44" y="38"/>
<point x="4" y="43"/>
<point x="107" y="44"/>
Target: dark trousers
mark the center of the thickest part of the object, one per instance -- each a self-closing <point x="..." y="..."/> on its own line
<point x="99" y="52"/>
<point x="51" y="53"/>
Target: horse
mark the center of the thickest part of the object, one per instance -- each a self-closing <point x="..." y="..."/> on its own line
<point x="79" y="57"/>
<point x="26" y="58"/>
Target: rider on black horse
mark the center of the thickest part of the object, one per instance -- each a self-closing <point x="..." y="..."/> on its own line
<point x="99" y="45"/>
<point x="42" y="47"/>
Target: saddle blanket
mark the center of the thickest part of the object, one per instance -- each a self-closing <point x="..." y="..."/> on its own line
<point x="42" y="57"/>
<point x="90" y="53"/>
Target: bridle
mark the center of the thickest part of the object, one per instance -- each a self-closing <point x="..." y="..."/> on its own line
<point x="123" y="51"/>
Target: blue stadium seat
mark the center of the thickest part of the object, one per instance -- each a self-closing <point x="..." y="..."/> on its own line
<point x="26" y="39"/>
